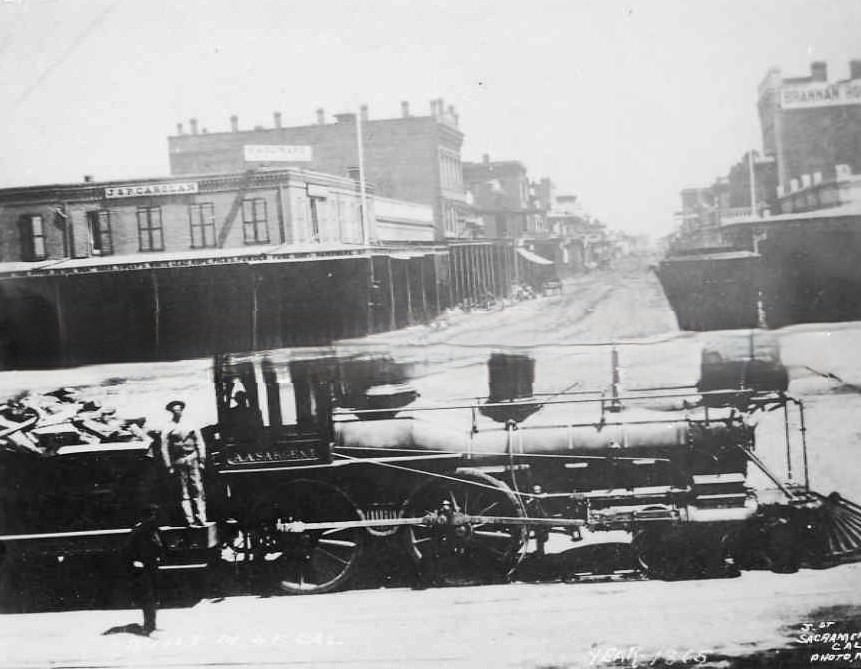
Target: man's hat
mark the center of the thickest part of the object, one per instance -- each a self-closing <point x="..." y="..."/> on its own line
<point x="174" y="403"/>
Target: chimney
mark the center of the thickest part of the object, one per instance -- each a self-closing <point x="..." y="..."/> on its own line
<point x="855" y="69"/>
<point x="234" y="123"/>
<point x="353" y="173"/>
<point x="405" y="109"/>
<point x="452" y="115"/>
<point x="192" y="126"/>
<point x="345" y="117"/>
<point x="363" y="110"/>
<point x="485" y="158"/>
<point x="321" y="116"/>
<point x="277" y="117"/>
<point x="433" y="108"/>
<point x="819" y="70"/>
<point x="440" y="108"/>
<point x="179" y="128"/>
<point x="88" y="178"/>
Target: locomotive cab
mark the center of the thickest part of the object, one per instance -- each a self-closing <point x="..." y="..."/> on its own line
<point x="267" y="412"/>
<point x="282" y="409"/>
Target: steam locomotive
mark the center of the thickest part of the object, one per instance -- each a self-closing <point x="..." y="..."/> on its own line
<point x="315" y="456"/>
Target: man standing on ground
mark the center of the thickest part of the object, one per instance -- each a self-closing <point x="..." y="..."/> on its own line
<point x="184" y="453"/>
<point x="143" y="554"/>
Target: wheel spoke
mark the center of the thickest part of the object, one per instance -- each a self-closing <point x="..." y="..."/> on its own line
<point x="484" y="511"/>
<point x="323" y="551"/>
<point x="342" y="543"/>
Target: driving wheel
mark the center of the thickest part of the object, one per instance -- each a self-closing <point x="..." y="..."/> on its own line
<point x="452" y="549"/>
<point x="311" y="561"/>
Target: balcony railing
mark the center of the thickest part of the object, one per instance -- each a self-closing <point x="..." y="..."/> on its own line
<point x="731" y="214"/>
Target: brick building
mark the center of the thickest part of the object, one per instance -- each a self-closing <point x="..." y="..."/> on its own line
<point x="811" y="125"/>
<point x="411" y="158"/>
<point x="736" y="198"/>
<point x="194" y="214"/>
<point x="502" y="198"/>
<point x="727" y="199"/>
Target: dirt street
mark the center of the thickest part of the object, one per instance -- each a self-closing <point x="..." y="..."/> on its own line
<point x="756" y="619"/>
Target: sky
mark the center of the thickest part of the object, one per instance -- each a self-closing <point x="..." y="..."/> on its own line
<point x="620" y="103"/>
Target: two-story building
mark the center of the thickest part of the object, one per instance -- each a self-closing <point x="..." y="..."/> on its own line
<point x="176" y="267"/>
<point x="192" y="214"/>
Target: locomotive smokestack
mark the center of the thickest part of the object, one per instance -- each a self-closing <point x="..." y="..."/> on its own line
<point x="510" y="379"/>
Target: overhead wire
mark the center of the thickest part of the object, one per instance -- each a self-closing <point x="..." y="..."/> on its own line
<point x="54" y="64"/>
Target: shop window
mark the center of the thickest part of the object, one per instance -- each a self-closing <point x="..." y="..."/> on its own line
<point x="150" y="233"/>
<point x="255" y="229"/>
<point x="32" y="237"/>
<point x="202" y="221"/>
<point x="99" y="229"/>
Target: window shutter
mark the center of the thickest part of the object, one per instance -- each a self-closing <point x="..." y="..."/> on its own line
<point x="25" y="228"/>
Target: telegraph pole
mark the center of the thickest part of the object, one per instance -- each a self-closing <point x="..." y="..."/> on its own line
<point x="364" y="203"/>
<point x="752" y="183"/>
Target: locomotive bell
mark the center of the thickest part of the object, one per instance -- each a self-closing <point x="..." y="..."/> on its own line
<point x="392" y="396"/>
<point x="510" y="397"/>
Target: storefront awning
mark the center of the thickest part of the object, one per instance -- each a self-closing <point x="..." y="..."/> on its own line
<point x="534" y="257"/>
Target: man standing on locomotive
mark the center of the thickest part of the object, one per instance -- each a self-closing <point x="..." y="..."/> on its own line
<point x="184" y="453"/>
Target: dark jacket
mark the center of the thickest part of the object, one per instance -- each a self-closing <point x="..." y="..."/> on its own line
<point x="145" y="549"/>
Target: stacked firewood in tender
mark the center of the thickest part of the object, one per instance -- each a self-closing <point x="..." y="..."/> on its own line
<point x="44" y="423"/>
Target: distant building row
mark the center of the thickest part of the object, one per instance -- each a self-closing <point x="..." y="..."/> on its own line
<point x="410" y="158"/>
<point x="811" y="159"/>
<point x="292" y="186"/>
